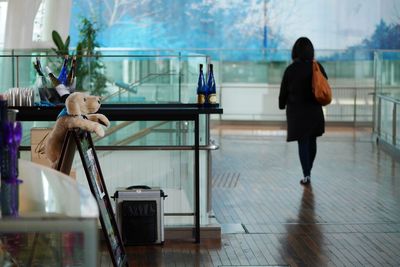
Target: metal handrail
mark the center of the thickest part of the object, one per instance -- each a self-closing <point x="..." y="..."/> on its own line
<point x="209" y="147"/>
<point x="138" y="83"/>
<point x="133" y="148"/>
<point x="388" y="98"/>
<point x="122" y="144"/>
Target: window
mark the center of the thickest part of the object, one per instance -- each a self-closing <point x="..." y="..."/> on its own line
<point x="38" y="23"/>
<point x="3" y="17"/>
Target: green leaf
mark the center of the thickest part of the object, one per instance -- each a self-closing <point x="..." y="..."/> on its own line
<point x="67" y="42"/>
<point x="63" y="48"/>
<point x="57" y="40"/>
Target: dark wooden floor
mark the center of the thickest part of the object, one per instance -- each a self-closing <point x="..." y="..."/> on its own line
<point x="349" y="216"/>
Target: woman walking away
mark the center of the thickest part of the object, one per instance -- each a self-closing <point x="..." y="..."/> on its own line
<point x="305" y="119"/>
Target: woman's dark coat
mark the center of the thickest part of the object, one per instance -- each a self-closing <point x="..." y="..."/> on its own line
<point x="303" y="113"/>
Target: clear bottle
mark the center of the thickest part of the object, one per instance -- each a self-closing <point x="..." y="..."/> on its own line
<point x="54" y="81"/>
<point x="38" y="67"/>
<point x="41" y="93"/>
<point x="61" y="89"/>
<point x="72" y="72"/>
<point x="201" y="88"/>
<point x="212" y="93"/>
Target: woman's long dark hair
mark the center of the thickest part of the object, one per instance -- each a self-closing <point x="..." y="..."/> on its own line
<point x="303" y="49"/>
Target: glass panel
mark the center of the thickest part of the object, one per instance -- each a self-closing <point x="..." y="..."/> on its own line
<point x="27" y="127"/>
<point x="42" y="249"/>
<point x="364" y="84"/>
<point x="387" y="88"/>
<point x="7" y="74"/>
<point x="172" y="171"/>
<point x="387" y="121"/>
<point x="147" y="133"/>
<point x="130" y="76"/>
<point x="388" y="73"/>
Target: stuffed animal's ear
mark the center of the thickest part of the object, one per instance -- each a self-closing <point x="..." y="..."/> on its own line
<point x="72" y="104"/>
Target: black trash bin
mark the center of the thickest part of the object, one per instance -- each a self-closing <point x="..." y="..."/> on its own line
<point x="140" y="214"/>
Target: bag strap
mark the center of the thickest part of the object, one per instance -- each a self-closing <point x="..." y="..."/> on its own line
<point x="316" y="65"/>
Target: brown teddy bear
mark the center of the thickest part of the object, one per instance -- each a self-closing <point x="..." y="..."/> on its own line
<point x="78" y="113"/>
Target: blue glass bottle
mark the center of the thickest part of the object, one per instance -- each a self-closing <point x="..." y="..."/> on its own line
<point x="212" y="93"/>
<point x="201" y="88"/>
<point x="63" y="76"/>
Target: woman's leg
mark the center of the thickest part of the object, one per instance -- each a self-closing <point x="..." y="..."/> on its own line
<point x="305" y="156"/>
<point x="313" y="150"/>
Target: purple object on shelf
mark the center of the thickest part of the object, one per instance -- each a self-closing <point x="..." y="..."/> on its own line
<point x="17" y="136"/>
<point x="12" y="136"/>
<point x="9" y="198"/>
<point x="9" y="168"/>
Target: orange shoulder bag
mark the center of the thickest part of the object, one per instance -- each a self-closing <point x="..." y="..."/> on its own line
<point x="320" y="86"/>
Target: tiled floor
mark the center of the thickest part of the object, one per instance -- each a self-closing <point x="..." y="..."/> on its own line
<point x="349" y="216"/>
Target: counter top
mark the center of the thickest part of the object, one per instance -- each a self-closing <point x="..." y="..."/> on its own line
<point x="123" y="111"/>
<point x="46" y="193"/>
<point x="57" y="221"/>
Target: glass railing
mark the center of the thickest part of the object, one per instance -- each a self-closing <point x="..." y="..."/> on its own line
<point x="153" y="153"/>
<point x="388" y="121"/>
<point x="130" y="76"/>
<point x="387" y="74"/>
<point x="248" y="88"/>
<point x="248" y="80"/>
<point x="387" y="109"/>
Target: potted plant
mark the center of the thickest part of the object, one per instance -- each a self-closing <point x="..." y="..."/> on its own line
<point x="90" y="70"/>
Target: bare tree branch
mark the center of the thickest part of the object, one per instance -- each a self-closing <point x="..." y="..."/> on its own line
<point x="91" y="9"/>
<point x="397" y="10"/>
<point x="115" y="10"/>
<point x="251" y="23"/>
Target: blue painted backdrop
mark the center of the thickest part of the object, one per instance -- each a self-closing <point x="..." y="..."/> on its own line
<point x="237" y="24"/>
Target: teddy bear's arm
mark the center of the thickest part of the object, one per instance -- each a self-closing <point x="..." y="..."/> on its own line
<point x="87" y="125"/>
<point x="100" y="118"/>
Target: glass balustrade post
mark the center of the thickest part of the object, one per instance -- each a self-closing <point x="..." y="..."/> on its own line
<point x="209" y="163"/>
<point x="179" y="78"/>
<point x="13" y="68"/>
<point x="355" y="107"/>
<point x="379" y="117"/>
<point x="374" y="96"/>
<point x="394" y="130"/>
<point x="17" y="72"/>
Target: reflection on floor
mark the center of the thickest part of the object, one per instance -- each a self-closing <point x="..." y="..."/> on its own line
<point x="349" y="216"/>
